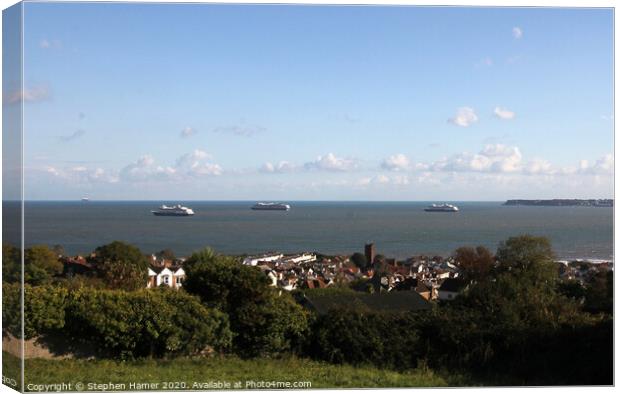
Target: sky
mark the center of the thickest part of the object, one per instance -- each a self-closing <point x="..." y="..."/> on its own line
<point x="264" y="102"/>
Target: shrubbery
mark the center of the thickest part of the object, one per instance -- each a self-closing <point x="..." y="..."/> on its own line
<point x="387" y="340"/>
<point x="511" y="326"/>
<point x="116" y="323"/>
<point x="265" y="321"/>
<point x="146" y="323"/>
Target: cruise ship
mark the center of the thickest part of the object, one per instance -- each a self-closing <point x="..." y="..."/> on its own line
<point x="442" y="208"/>
<point x="176" y="210"/>
<point x="270" y="206"/>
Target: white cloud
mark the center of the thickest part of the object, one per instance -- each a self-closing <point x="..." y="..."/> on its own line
<point x="330" y="162"/>
<point x="397" y="162"/>
<point x="195" y="164"/>
<point x="539" y="166"/>
<point x="493" y="158"/>
<point x="281" y="167"/>
<point x="602" y="166"/>
<point x="400" y="180"/>
<point x="465" y="117"/>
<point x="383" y="180"/>
<point x="145" y="169"/>
<point x="188" y="132"/>
<point x="503" y="113"/>
<point x="82" y="174"/>
<point x="32" y="94"/>
<point x="428" y="178"/>
<point x="517" y="33"/>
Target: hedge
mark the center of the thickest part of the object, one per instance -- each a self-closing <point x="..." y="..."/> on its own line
<point x="115" y="323"/>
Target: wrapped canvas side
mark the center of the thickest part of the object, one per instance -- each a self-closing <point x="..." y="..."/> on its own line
<point x="13" y="96"/>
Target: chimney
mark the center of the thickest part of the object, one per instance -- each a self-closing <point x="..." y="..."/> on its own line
<point x="369" y="251"/>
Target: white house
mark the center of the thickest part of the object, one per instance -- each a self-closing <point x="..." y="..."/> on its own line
<point x="169" y="276"/>
<point x="301" y="258"/>
<point x="254" y="260"/>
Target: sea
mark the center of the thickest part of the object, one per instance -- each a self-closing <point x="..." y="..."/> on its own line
<point x="398" y="229"/>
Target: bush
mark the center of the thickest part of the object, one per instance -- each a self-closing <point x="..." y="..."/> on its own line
<point x="44" y="309"/>
<point x="11" y="310"/>
<point x="144" y="323"/>
<point x="121" y="266"/>
<point x="386" y="340"/>
<point x="264" y="321"/>
<point x="114" y="323"/>
<point x="275" y="325"/>
<point x="41" y="264"/>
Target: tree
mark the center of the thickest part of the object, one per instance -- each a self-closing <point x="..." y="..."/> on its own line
<point x="11" y="261"/>
<point x="359" y="260"/>
<point x="476" y="264"/>
<point x="121" y="266"/>
<point x="221" y="282"/>
<point x="572" y="289"/>
<point x="40" y="265"/>
<point x="166" y="254"/>
<point x="264" y="321"/>
<point x="529" y="257"/>
<point x="599" y="293"/>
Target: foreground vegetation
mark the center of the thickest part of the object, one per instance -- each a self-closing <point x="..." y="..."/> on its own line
<point x="221" y="369"/>
<point x="516" y="323"/>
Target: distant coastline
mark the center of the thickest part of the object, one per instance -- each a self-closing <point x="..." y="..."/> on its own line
<point x="563" y="203"/>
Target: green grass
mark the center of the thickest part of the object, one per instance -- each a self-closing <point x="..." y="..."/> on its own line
<point x="222" y="369"/>
<point x="11" y="367"/>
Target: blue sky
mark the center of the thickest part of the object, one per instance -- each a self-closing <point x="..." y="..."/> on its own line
<point x="156" y="101"/>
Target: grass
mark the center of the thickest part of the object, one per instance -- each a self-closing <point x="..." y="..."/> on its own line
<point x="198" y="373"/>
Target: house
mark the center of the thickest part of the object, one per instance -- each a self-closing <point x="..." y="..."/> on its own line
<point x="450" y="288"/>
<point x="264" y="258"/>
<point x="168" y="276"/>
<point x="271" y="275"/>
<point x="413" y="284"/>
<point x="300" y="258"/>
<point x="76" y="266"/>
<point x="317" y="283"/>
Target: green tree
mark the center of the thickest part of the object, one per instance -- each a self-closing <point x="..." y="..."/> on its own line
<point x="41" y="264"/>
<point x="264" y="320"/>
<point x="529" y="257"/>
<point x="359" y="260"/>
<point x="223" y="283"/>
<point x="144" y="323"/>
<point x="572" y="289"/>
<point x="599" y="294"/>
<point x="121" y="266"/>
<point x="166" y="254"/>
<point x="476" y="263"/>
<point x="11" y="262"/>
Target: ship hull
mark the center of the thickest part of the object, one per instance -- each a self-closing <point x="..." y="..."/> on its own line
<point x="171" y="214"/>
<point x="270" y="209"/>
<point x="440" y="210"/>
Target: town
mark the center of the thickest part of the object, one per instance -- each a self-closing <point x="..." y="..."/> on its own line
<point x="432" y="277"/>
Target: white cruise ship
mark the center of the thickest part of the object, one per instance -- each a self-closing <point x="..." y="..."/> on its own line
<point x="442" y="208"/>
<point x="176" y="210"/>
<point x="270" y="206"/>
